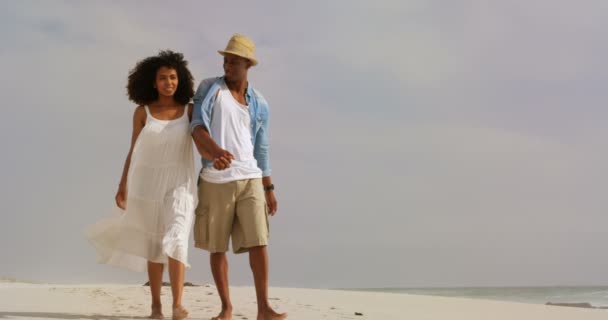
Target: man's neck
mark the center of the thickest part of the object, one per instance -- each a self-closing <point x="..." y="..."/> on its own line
<point x="238" y="86"/>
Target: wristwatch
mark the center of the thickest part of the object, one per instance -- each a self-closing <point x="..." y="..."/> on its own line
<point x="269" y="187"/>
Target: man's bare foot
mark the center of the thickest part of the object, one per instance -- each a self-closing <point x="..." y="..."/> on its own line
<point x="180" y="313"/>
<point x="226" y="314"/>
<point x="157" y="312"/>
<point x="270" y="314"/>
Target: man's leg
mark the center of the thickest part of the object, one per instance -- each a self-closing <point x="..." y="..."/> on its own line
<point x="258" y="260"/>
<point x="216" y="204"/>
<point x="250" y="233"/>
<point x="219" y="268"/>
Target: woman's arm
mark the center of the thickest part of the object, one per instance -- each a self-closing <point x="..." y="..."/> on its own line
<point x="139" y="121"/>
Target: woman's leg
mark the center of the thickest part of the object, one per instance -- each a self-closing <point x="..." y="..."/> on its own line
<point x="176" y="274"/>
<point x="155" y="275"/>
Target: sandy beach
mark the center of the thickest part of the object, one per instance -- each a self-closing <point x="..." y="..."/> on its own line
<point x="51" y="301"/>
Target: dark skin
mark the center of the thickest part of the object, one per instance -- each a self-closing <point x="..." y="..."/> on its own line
<point x="235" y="74"/>
<point x="165" y="108"/>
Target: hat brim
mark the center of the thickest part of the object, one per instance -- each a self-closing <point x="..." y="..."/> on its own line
<point x="253" y="60"/>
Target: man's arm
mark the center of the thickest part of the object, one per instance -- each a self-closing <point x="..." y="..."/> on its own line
<point x="205" y="145"/>
<point x="199" y="146"/>
<point x="262" y="155"/>
<point x="199" y="116"/>
<point x="262" y="146"/>
<point x="271" y="200"/>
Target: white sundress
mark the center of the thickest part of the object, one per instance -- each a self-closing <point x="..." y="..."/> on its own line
<point x="161" y="199"/>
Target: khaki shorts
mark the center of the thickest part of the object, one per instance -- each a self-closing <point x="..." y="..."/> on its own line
<point x="237" y="209"/>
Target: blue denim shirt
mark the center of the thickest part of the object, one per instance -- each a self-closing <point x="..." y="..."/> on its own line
<point x="204" y="99"/>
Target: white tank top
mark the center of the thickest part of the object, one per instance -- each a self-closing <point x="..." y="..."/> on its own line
<point x="231" y="131"/>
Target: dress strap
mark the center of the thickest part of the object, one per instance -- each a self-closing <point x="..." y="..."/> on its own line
<point x="185" y="114"/>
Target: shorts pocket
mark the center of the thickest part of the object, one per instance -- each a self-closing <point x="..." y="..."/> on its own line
<point x="201" y="226"/>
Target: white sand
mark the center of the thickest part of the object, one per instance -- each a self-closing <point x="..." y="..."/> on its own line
<point x="46" y="301"/>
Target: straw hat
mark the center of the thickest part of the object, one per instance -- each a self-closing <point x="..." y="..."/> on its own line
<point x="241" y="46"/>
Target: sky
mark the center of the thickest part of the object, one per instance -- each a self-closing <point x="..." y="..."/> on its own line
<point x="413" y="143"/>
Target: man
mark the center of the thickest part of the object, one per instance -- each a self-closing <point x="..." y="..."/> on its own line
<point x="236" y="194"/>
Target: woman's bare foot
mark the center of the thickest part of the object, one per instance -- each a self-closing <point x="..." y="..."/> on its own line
<point x="226" y="314"/>
<point x="157" y="312"/>
<point x="270" y="314"/>
<point x="180" y="313"/>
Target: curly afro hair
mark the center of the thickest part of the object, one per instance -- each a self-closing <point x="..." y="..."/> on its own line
<point x="140" y="87"/>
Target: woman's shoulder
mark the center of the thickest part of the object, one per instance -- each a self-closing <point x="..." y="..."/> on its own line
<point x="140" y="113"/>
<point x="140" y="110"/>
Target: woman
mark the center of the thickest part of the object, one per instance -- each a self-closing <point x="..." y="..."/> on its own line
<point x="157" y="190"/>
